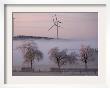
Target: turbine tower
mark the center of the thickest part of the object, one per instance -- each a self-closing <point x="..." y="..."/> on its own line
<point x="56" y="23"/>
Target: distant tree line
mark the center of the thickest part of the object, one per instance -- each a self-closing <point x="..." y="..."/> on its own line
<point x="29" y="37"/>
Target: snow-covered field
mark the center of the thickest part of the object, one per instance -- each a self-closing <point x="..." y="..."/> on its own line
<point x="45" y="46"/>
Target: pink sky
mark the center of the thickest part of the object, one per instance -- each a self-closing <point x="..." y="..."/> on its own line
<point x="75" y="25"/>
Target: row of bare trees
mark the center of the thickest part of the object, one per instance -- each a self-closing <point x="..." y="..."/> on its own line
<point x="59" y="57"/>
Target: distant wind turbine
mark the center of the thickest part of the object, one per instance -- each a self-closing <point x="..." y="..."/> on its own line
<point x="56" y="23"/>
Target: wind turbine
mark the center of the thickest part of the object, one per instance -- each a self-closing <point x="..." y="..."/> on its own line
<point x="56" y="23"/>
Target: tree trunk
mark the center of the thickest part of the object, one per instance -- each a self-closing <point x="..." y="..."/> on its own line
<point x="57" y="30"/>
<point x="59" y="67"/>
<point x="31" y="65"/>
<point x="86" y="67"/>
<point x="58" y="63"/>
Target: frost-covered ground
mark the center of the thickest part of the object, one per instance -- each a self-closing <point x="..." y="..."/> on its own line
<point x="46" y="63"/>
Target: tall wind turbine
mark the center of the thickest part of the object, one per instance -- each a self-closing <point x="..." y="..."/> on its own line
<point x="56" y="23"/>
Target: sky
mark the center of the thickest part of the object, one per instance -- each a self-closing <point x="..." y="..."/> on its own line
<point x="75" y="25"/>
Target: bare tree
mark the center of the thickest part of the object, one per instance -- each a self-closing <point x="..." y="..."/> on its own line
<point x="85" y="53"/>
<point x="31" y="52"/>
<point x="59" y="57"/>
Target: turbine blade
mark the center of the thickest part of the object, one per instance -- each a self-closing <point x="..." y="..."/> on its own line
<point x="55" y="17"/>
<point x="53" y="20"/>
<point x="50" y="28"/>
